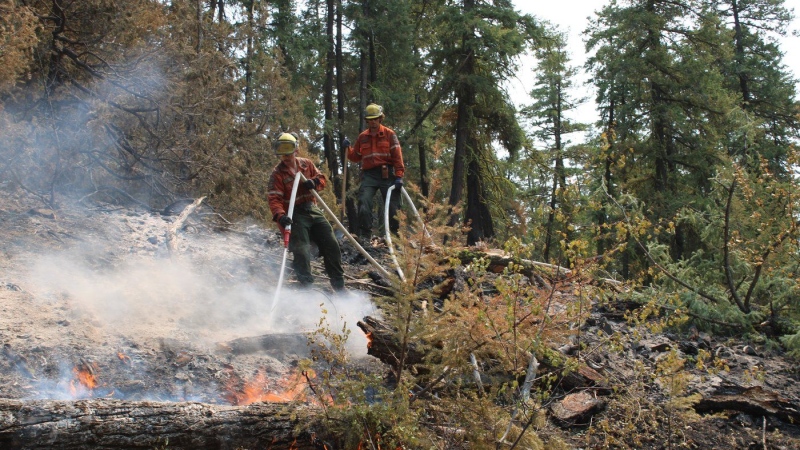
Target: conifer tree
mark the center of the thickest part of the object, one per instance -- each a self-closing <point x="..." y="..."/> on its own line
<point x="483" y="43"/>
<point x="553" y="102"/>
<point x="764" y="85"/>
<point x="668" y="106"/>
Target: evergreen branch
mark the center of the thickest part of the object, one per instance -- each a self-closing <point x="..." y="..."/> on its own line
<point x="442" y="91"/>
<point x="650" y="257"/>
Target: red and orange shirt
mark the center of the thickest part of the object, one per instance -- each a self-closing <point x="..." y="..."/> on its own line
<point x="375" y="150"/>
<point x="281" y="182"/>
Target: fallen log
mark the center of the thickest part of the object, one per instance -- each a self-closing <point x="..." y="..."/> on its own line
<point x="755" y="401"/>
<point x="498" y="260"/>
<point x="384" y="346"/>
<point x="115" y="424"/>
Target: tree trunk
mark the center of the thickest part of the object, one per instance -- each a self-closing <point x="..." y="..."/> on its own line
<point x="478" y="216"/>
<point x="340" y="108"/>
<point x="330" y="62"/>
<point x="248" y="70"/>
<point x="466" y="99"/>
<point x="116" y="424"/>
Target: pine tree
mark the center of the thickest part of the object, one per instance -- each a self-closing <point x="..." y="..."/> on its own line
<point x="652" y="68"/>
<point x="552" y="103"/>
<point x="482" y="42"/>
<point x="755" y="72"/>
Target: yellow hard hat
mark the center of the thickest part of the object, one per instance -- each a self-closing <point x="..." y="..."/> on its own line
<point x="373" y="111"/>
<point x="285" y="145"/>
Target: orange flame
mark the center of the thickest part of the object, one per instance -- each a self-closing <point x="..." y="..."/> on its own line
<point x="124" y="358"/>
<point x="369" y="340"/>
<point x="84" y="373"/>
<point x="258" y="389"/>
<point x="84" y="381"/>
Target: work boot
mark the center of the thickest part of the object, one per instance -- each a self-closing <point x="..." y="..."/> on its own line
<point x="338" y="286"/>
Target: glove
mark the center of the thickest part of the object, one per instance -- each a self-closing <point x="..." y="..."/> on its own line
<point x="310" y="184"/>
<point x="398" y="183"/>
<point x="345" y="143"/>
<point x="285" y="221"/>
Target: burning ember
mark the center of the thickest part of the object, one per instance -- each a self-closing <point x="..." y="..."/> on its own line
<point x="85" y="380"/>
<point x="124" y="358"/>
<point x="241" y="392"/>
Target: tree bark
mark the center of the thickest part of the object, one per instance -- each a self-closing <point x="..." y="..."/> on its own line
<point x="115" y="424"/>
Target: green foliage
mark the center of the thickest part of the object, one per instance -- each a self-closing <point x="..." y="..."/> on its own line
<point x="493" y="324"/>
<point x="688" y="194"/>
<point x="792" y="342"/>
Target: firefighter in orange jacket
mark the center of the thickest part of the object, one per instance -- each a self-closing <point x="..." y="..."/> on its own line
<point x="307" y="221"/>
<point x="378" y="150"/>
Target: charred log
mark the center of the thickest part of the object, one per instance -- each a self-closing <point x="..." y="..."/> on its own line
<point x="384" y="346"/>
<point x="755" y="401"/>
<point x="283" y="343"/>
<point x="114" y="424"/>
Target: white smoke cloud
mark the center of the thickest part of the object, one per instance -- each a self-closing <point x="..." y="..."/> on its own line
<point x="204" y="299"/>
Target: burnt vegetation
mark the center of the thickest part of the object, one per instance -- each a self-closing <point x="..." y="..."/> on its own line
<point x="636" y="290"/>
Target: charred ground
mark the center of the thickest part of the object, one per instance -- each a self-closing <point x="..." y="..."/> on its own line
<point x="92" y="289"/>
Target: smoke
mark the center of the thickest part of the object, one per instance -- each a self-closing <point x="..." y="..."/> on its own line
<point x="71" y="146"/>
<point x="223" y="289"/>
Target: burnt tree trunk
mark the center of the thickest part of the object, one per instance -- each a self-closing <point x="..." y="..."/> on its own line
<point x="115" y="424"/>
<point x="384" y="345"/>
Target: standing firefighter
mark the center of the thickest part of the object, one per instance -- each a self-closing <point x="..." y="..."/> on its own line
<point x="378" y="150"/>
<point x="308" y="223"/>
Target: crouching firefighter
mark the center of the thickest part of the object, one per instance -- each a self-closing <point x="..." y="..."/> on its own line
<point x="307" y="222"/>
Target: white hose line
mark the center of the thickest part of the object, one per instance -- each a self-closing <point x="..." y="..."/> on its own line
<point x="388" y="233"/>
<point x="386" y="224"/>
<point x="414" y="209"/>
<point x="286" y="233"/>
<point x="353" y="240"/>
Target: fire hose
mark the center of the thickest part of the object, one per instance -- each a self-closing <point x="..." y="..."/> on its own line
<point x="287" y="232"/>
<point x="388" y="237"/>
<point x="350" y="236"/>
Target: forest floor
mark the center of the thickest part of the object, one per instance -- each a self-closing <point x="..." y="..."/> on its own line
<point x="91" y="291"/>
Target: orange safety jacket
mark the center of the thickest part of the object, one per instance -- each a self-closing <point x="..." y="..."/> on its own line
<point x="281" y="182"/>
<point x="376" y="150"/>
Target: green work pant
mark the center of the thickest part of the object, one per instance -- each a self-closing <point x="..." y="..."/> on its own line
<point x="371" y="183"/>
<point x="309" y="224"/>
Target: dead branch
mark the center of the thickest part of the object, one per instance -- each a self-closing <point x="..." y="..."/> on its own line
<point x="755" y="400"/>
<point x="172" y="230"/>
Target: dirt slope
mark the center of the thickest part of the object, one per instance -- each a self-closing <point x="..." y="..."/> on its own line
<point x="93" y="289"/>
